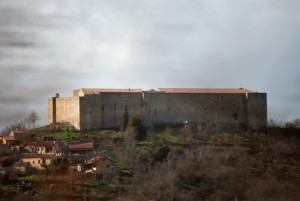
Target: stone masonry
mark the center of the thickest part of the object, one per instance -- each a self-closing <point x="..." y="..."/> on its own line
<point x="102" y="108"/>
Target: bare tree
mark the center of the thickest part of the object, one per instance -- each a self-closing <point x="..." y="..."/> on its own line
<point x="32" y="119"/>
<point x="296" y="122"/>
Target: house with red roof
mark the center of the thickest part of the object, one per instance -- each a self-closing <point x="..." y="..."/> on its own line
<point x="15" y="137"/>
<point x="48" y="147"/>
<point x="81" y="148"/>
<point x="96" y="165"/>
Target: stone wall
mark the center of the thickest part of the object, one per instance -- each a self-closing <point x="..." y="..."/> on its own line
<point x="197" y="108"/>
<point x="104" y="110"/>
<point x="66" y="110"/>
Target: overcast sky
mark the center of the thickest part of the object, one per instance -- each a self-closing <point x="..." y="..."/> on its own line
<point x="54" y="46"/>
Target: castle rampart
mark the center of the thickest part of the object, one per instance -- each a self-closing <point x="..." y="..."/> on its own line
<point x="102" y="108"/>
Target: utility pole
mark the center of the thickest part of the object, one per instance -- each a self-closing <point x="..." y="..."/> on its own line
<point x="171" y="191"/>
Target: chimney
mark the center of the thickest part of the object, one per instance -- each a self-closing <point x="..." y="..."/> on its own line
<point x="57" y="95"/>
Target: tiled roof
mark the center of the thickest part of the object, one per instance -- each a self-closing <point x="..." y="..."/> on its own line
<point x="205" y="90"/>
<point x="86" y="91"/>
<point x="45" y="143"/>
<point x="93" y="160"/>
<point x="84" y="146"/>
<point x="9" y="138"/>
<point x="41" y="156"/>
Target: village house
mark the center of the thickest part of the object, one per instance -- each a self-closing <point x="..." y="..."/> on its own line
<point x="81" y="149"/>
<point x="48" y="147"/>
<point x="22" y="167"/>
<point x="15" y="137"/>
<point x="38" y="161"/>
<point x="96" y="165"/>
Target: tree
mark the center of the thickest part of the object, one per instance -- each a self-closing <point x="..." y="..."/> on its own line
<point x="296" y="122"/>
<point x="124" y="120"/>
<point x="140" y="129"/>
<point x="33" y="118"/>
<point x="162" y="154"/>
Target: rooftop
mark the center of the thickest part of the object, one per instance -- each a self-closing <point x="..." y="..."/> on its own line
<point x="205" y="90"/>
<point x="45" y="143"/>
<point x="41" y="156"/>
<point x="84" y="146"/>
<point x="87" y="91"/>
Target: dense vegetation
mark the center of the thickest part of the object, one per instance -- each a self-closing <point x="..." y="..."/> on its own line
<point x="180" y="163"/>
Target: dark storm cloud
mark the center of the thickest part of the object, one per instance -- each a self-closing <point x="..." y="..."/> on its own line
<point x="57" y="46"/>
<point x="28" y="76"/>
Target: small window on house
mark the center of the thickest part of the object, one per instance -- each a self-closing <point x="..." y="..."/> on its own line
<point x="235" y="116"/>
<point x="39" y="161"/>
<point x="108" y="166"/>
<point x="115" y="107"/>
<point x="32" y="162"/>
<point x="126" y="107"/>
<point x="155" y="111"/>
<point x="102" y="107"/>
<point x="38" y="149"/>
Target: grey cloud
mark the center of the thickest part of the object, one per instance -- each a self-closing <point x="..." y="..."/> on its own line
<point x="149" y="44"/>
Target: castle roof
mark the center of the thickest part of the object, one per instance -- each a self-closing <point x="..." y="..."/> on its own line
<point x="87" y="91"/>
<point x="205" y="90"/>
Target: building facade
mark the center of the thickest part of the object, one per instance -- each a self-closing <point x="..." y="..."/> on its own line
<point x="102" y="108"/>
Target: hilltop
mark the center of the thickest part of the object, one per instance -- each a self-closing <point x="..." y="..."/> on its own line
<point x="182" y="164"/>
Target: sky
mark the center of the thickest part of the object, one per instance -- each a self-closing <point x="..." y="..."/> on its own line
<point x="56" y="46"/>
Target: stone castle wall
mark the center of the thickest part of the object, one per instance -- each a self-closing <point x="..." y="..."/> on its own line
<point x="64" y="110"/>
<point x="104" y="110"/>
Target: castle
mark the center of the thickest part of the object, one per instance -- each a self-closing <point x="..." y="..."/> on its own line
<point x="102" y="108"/>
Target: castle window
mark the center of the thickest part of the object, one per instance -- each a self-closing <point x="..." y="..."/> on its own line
<point x="102" y="107"/>
<point x="235" y="116"/>
<point x="115" y="107"/>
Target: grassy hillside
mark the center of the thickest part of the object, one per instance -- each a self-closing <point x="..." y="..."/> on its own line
<point x="184" y="164"/>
